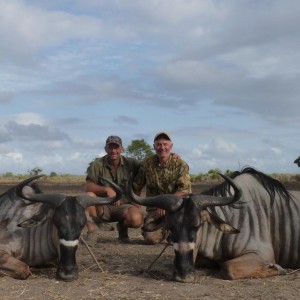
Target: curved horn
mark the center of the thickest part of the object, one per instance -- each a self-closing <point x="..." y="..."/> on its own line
<point x="20" y="186"/>
<point x="168" y="202"/>
<point x="53" y="199"/>
<point x="202" y="201"/>
<point x="86" y="201"/>
<point x="28" y="193"/>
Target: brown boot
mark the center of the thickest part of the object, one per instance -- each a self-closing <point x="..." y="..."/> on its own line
<point x="123" y="232"/>
<point x="102" y="225"/>
<point x="91" y="239"/>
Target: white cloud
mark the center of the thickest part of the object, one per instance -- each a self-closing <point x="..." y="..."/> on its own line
<point x="14" y="156"/>
<point x="34" y="24"/>
<point x="276" y="151"/>
<point x="25" y="118"/>
<point x="223" y="77"/>
<point x="74" y="156"/>
<point x="224" y="147"/>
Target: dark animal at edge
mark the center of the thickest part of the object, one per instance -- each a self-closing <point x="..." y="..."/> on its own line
<point x="37" y="229"/>
<point x="262" y="215"/>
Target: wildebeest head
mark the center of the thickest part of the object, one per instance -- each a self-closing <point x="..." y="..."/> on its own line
<point x="68" y="216"/>
<point x="184" y="216"/>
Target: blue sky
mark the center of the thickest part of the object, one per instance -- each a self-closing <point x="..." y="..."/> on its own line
<point x="222" y="77"/>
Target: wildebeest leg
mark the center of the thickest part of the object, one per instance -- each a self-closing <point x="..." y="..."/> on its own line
<point x="14" y="267"/>
<point x="203" y="262"/>
<point x="249" y="265"/>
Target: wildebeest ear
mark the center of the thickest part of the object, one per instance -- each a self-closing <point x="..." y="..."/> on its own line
<point x="227" y="228"/>
<point x="154" y="225"/>
<point x="31" y="223"/>
<point x="45" y="213"/>
<point x="218" y="222"/>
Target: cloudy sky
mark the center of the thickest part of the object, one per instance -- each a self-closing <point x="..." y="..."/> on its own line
<point x="222" y="77"/>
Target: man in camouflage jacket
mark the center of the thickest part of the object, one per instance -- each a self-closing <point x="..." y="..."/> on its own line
<point x="162" y="173"/>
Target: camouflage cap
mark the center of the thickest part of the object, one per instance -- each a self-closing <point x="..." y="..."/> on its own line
<point x="113" y="139"/>
<point x="163" y="134"/>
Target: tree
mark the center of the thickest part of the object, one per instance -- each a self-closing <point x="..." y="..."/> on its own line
<point x="213" y="173"/>
<point x="35" y="171"/>
<point x="8" y="174"/>
<point x="138" y="149"/>
<point x="297" y="161"/>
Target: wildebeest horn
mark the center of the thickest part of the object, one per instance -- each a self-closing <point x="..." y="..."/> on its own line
<point x="86" y="201"/>
<point x="28" y="193"/>
<point x="20" y="186"/>
<point x="168" y="202"/>
<point x="53" y="199"/>
<point x="202" y="201"/>
<point x="57" y="199"/>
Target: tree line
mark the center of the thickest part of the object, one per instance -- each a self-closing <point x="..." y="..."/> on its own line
<point x="139" y="149"/>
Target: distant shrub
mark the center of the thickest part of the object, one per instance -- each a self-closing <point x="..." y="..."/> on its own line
<point x="198" y="178"/>
<point x="297" y="177"/>
<point x="8" y="175"/>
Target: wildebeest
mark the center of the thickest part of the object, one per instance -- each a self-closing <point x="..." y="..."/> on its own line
<point x="38" y="228"/>
<point x="266" y="216"/>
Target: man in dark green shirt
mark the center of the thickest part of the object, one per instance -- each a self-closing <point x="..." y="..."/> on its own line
<point x="116" y="168"/>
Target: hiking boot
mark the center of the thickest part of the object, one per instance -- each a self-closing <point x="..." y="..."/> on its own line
<point x="102" y="225"/>
<point x="123" y="233"/>
<point x="105" y="226"/>
<point x="91" y="239"/>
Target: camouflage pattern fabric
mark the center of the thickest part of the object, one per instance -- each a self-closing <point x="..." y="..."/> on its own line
<point x="168" y="179"/>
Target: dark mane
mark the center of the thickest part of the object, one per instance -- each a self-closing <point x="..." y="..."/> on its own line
<point x="271" y="185"/>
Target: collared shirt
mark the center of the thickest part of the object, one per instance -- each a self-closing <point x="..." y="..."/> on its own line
<point x="167" y="179"/>
<point x="101" y="168"/>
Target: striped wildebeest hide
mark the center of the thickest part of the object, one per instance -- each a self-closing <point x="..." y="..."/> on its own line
<point x="248" y="226"/>
<point x="38" y="228"/>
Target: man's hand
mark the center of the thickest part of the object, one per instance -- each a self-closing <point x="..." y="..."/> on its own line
<point x="117" y="203"/>
<point x="176" y="156"/>
<point x="136" y="204"/>
<point x="160" y="212"/>
<point x="110" y="192"/>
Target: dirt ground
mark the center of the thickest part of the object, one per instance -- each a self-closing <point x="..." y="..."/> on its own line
<point x="124" y="274"/>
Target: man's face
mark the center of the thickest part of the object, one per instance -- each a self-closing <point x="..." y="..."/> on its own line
<point x="113" y="151"/>
<point x="163" y="148"/>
